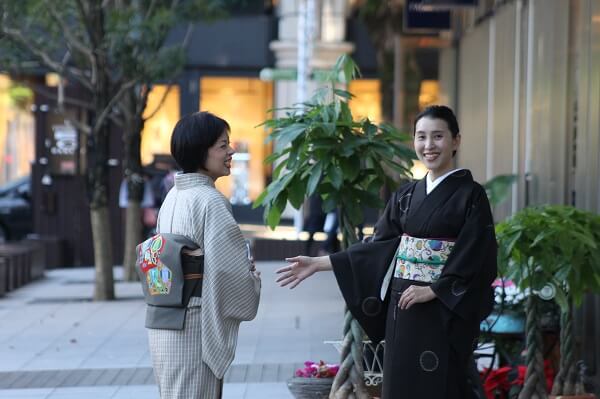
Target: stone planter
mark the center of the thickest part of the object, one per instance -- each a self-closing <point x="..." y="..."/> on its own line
<point x="310" y="388"/>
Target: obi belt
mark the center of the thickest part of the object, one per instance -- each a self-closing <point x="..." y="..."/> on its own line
<point x="422" y="259"/>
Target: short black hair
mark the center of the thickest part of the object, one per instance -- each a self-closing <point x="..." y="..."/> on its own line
<point x="192" y="136"/>
<point x="439" y="112"/>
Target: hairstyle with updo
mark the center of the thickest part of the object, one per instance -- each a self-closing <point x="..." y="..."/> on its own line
<point x="439" y="112"/>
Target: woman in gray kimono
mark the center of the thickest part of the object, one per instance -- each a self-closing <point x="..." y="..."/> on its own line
<point x="190" y="363"/>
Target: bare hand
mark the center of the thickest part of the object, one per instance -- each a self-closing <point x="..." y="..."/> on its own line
<point x="415" y="294"/>
<point x="252" y="265"/>
<point x="299" y="268"/>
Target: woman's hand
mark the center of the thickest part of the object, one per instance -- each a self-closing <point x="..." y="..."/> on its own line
<point x="415" y="294"/>
<point x="301" y="267"/>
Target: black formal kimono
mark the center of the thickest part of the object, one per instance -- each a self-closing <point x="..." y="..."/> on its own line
<point x="428" y="346"/>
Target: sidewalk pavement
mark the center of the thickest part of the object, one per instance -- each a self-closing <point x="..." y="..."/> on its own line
<point x="55" y="343"/>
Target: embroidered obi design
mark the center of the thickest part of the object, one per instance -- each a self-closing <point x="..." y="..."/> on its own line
<point x="158" y="276"/>
<point x="421" y="259"/>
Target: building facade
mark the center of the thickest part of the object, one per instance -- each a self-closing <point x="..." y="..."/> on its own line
<point x="524" y="77"/>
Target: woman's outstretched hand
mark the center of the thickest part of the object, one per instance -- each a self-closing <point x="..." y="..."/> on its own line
<point x="301" y="267"/>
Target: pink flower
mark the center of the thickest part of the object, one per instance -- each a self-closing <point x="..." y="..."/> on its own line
<point x="320" y="370"/>
<point x="500" y="282"/>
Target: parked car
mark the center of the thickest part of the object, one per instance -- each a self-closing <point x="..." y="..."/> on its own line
<point x="16" y="216"/>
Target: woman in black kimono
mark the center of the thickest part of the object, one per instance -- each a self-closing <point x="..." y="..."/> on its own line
<point x="424" y="282"/>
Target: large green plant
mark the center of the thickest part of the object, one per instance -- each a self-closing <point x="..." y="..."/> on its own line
<point x="322" y="149"/>
<point x="551" y="250"/>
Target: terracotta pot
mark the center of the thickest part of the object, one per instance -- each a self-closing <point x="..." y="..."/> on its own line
<point x="584" y="396"/>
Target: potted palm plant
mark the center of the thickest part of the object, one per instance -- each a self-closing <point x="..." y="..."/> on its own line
<point x="551" y="252"/>
<point x="322" y="149"/>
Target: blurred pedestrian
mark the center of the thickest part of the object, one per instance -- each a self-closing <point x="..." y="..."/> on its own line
<point x="313" y="220"/>
<point x="148" y="206"/>
<point x="424" y="281"/>
<point x="190" y="363"/>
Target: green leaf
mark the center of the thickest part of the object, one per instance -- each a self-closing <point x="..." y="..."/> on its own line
<point x="344" y="94"/>
<point x="335" y="176"/>
<point x="290" y="133"/>
<point x="345" y="113"/>
<point x="314" y="178"/>
<point x="498" y="188"/>
<point x="296" y="192"/>
<point x="350" y="167"/>
<point x="273" y="217"/>
<point x="260" y="199"/>
<point x="561" y="299"/>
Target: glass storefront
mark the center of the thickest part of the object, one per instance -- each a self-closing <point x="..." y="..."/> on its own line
<point x="156" y="136"/>
<point x="17" y="130"/>
<point x="243" y="103"/>
<point x="367" y="100"/>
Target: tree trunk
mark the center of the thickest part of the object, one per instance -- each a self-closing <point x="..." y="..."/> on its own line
<point x="534" y="386"/>
<point x="104" y="282"/>
<point x="133" y="236"/>
<point x="349" y="382"/>
<point x="564" y="383"/>
<point x="97" y="156"/>
<point x="134" y="105"/>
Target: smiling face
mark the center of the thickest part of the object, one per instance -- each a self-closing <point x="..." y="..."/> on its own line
<point x="434" y="145"/>
<point x="218" y="159"/>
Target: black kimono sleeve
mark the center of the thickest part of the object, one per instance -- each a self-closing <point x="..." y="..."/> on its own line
<point x="360" y="271"/>
<point x="465" y="284"/>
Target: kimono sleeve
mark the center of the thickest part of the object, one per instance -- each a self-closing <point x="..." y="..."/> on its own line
<point x="228" y="279"/>
<point x="464" y="286"/>
<point x="230" y="291"/>
<point x="360" y="271"/>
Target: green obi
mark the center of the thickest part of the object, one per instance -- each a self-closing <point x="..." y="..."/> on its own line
<point x="421" y="259"/>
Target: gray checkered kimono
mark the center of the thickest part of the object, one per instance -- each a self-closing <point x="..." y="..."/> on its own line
<point x="191" y="363"/>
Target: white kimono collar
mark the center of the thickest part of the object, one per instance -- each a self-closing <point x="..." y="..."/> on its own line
<point x="431" y="185"/>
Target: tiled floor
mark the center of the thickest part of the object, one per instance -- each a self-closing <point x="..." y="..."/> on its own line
<point x="56" y="344"/>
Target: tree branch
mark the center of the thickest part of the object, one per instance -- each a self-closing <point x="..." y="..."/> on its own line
<point x="68" y="100"/>
<point x="17" y="36"/>
<point x="70" y="37"/>
<point x="161" y="103"/>
<point x="150" y="9"/>
<point x="108" y="109"/>
<point x="79" y="125"/>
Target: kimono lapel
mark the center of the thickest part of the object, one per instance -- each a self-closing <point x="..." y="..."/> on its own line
<point x="422" y="205"/>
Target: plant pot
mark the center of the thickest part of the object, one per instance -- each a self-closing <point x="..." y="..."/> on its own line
<point x="310" y="388"/>
<point x="583" y="396"/>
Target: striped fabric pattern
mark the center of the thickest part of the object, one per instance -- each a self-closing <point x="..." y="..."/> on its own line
<point x="230" y="291"/>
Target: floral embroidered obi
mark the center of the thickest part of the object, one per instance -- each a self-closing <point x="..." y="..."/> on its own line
<point x="422" y="259"/>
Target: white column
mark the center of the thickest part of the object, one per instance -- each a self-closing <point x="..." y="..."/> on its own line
<point x="327" y="27"/>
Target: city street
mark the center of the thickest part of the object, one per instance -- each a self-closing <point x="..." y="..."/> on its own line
<point x="55" y="343"/>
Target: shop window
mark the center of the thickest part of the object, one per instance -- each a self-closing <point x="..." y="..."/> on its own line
<point x="429" y="93"/>
<point x="243" y="103"/>
<point x="367" y="100"/>
<point x="156" y="135"/>
<point x="17" y="130"/>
